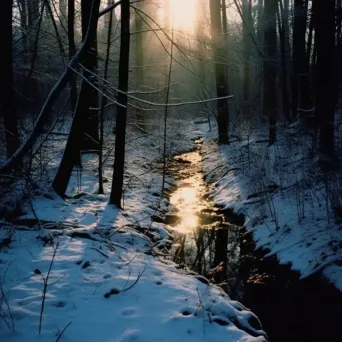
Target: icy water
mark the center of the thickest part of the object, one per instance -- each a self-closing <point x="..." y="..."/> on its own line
<point x="214" y="244"/>
<point x="199" y="227"/>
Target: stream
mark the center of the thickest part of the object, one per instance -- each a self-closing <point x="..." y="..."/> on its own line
<point x="214" y="243"/>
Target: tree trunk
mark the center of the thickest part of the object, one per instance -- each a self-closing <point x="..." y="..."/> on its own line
<point x="139" y="60"/>
<point x="71" y="156"/>
<point x="338" y="49"/>
<point x="32" y="18"/>
<point x="121" y="117"/>
<point x="221" y="83"/>
<point x="324" y="21"/>
<point x="104" y="102"/>
<point x="247" y="15"/>
<point x="88" y="97"/>
<point x="283" y="51"/>
<point x="301" y="98"/>
<point x="6" y="80"/>
<point x="23" y="26"/>
<point x="72" y="51"/>
<point x="270" y="71"/>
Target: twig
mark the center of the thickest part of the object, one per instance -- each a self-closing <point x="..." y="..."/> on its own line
<point x="62" y="332"/>
<point x="8" y="308"/>
<point x="46" y="279"/>
<point x="138" y="278"/>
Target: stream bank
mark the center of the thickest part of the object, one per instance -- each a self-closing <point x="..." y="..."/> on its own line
<point x="214" y="243"/>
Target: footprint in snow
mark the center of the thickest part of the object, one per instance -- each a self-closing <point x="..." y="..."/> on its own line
<point x="130" y="335"/>
<point x="129" y="312"/>
<point x="157" y="272"/>
<point x="59" y="304"/>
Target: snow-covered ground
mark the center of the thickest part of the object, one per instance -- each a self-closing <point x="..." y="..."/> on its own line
<point x="106" y="272"/>
<point x="286" y="201"/>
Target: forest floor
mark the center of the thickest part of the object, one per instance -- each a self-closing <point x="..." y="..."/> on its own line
<point x="82" y="270"/>
<point x="105" y="273"/>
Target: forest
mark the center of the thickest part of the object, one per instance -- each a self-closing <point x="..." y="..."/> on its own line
<point x="170" y="170"/>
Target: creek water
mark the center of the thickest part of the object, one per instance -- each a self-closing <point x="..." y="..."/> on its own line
<point x="215" y="244"/>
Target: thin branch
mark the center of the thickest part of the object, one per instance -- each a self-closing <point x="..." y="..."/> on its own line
<point x="62" y="332"/>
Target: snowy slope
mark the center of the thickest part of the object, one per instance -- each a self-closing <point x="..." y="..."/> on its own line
<point x="111" y="278"/>
<point x="285" y="200"/>
<point x="163" y="304"/>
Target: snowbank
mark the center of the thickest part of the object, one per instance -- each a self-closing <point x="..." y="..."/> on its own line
<point x="283" y="196"/>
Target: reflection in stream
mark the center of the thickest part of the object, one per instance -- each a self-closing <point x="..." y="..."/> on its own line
<point x="204" y="241"/>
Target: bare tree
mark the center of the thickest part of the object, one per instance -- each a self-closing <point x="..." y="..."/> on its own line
<point x="221" y="83"/>
<point x="88" y="97"/>
<point x="72" y="50"/>
<point x="301" y="97"/>
<point x="103" y="104"/>
<point x="270" y="69"/>
<point x="121" y="116"/>
<point x="139" y="59"/>
<point x="324" y="21"/>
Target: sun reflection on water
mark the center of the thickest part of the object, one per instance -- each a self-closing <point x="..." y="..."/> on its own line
<point x="187" y="198"/>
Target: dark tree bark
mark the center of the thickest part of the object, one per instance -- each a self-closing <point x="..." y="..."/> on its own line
<point x="247" y="15"/>
<point x="72" y="51"/>
<point x="88" y="97"/>
<point x="121" y="116"/>
<point x="301" y="97"/>
<point x="270" y="70"/>
<point x="225" y="34"/>
<point x="338" y="49"/>
<point x="32" y="19"/>
<point x="23" y="26"/>
<point x="71" y="156"/>
<point x="324" y="22"/>
<point x="282" y="28"/>
<point x="6" y="80"/>
<point x="103" y="103"/>
<point x="221" y="83"/>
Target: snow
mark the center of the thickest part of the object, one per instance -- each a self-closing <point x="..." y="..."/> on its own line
<point x="283" y="196"/>
<point x="164" y="305"/>
<point x="111" y="278"/>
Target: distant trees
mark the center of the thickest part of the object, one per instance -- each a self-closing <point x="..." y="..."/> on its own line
<point x="281" y="56"/>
